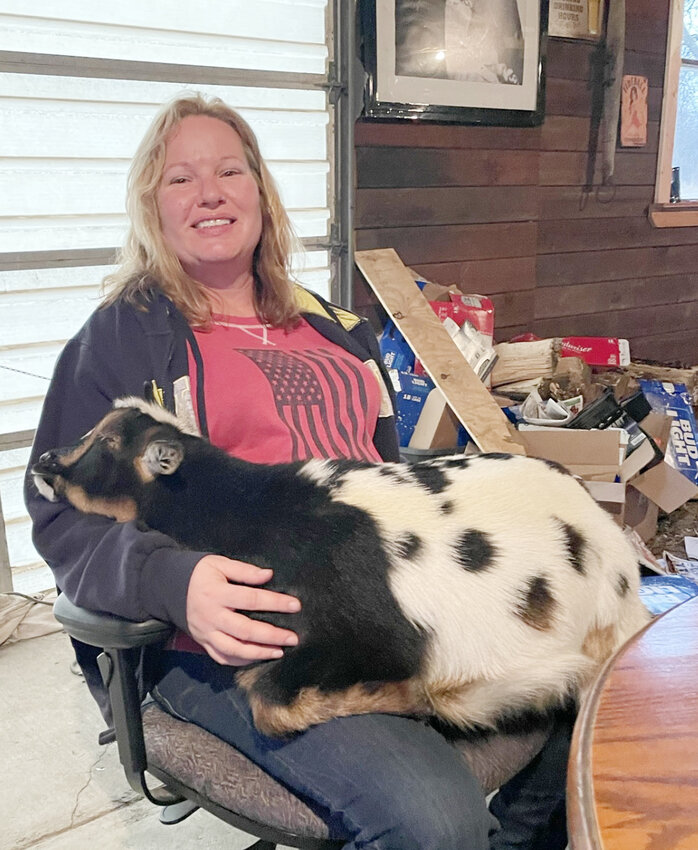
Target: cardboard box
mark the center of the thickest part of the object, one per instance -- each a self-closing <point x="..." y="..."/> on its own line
<point x="453" y="304"/>
<point x="395" y="351"/>
<point x="657" y="426"/>
<point x="469" y="320"/>
<point x="596" y="351"/>
<point x="598" y="456"/>
<point x="437" y="426"/>
<point x="611" y="496"/>
<point x="641" y="513"/>
<point x="593" y="455"/>
<point x="665" y="486"/>
<point x="673" y="400"/>
<point x="635" y="461"/>
<point x="411" y="392"/>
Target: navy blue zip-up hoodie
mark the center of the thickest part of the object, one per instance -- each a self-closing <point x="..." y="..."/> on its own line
<point x="108" y="566"/>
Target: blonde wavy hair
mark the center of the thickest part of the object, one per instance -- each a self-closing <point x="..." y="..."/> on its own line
<point x="146" y="257"/>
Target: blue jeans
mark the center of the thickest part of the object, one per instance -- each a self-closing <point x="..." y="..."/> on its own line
<point x="381" y="782"/>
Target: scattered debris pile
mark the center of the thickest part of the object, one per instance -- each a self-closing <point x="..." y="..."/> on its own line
<point x="627" y="428"/>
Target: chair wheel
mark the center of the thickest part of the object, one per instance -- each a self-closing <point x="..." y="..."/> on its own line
<point x="177" y="812"/>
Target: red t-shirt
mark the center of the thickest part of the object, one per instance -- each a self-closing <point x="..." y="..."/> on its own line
<point x="274" y="396"/>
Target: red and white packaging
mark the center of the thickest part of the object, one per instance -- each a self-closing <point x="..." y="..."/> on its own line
<point x="596" y="350"/>
<point x="477" y="310"/>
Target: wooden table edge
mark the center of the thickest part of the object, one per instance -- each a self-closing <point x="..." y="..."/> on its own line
<point x="582" y="823"/>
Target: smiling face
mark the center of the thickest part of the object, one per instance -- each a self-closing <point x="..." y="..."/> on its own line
<point x="209" y="202"/>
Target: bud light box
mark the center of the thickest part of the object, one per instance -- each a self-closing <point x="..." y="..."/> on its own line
<point x="411" y="392"/>
<point x="395" y="351"/>
<point x="674" y="401"/>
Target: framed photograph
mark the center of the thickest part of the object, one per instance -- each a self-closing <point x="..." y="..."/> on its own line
<point x="576" y="19"/>
<point x="457" y="61"/>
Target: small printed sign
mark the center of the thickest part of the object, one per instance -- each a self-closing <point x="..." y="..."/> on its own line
<point x="633" y="111"/>
<point x="575" y="18"/>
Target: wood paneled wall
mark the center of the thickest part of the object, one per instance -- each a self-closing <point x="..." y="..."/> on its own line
<point x="500" y="211"/>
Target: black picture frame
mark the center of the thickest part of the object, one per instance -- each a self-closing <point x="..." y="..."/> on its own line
<point x="407" y="44"/>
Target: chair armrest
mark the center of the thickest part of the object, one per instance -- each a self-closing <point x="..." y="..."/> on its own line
<point x="106" y="630"/>
<point x="121" y="641"/>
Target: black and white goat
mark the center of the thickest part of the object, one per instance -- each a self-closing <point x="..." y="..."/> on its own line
<point x="470" y="588"/>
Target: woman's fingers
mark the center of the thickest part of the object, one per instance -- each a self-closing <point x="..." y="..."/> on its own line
<point x="213" y="612"/>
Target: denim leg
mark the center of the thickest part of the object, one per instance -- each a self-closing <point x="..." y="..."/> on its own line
<point x="381" y="782"/>
<point x="531" y="806"/>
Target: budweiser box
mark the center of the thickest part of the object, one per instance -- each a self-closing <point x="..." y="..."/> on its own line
<point x="596" y="350"/>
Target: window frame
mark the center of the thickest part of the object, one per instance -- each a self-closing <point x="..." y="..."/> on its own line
<point x="661" y="212"/>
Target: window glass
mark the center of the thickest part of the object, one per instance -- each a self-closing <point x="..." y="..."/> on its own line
<point x="270" y="35"/>
<point x="68" y="142"/>
<point x="685" y="158"/>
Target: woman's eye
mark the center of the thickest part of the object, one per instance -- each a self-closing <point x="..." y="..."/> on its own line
<point x="175" y="180"/>
<point x="230" y="172"/>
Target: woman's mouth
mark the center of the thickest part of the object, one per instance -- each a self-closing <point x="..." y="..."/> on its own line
<point x="213" y="222"/>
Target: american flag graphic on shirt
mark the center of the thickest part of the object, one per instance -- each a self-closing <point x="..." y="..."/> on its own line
<point x="301" y="382"/>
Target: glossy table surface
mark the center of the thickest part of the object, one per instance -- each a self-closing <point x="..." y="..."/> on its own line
<point x="633" y="780"/>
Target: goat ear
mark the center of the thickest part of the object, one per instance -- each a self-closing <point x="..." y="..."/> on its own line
<point x="163" y="457"/>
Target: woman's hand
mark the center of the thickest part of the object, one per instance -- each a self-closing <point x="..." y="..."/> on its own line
<point x="212" y="612"/>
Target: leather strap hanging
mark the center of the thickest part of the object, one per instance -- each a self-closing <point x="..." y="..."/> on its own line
<point x="605" y="82"/>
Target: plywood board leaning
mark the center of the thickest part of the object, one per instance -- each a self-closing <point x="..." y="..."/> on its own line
<point x="464" y="391"/>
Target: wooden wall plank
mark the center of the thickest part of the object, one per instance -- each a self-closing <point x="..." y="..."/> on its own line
<point x="415" y="135"/>
<point x="573" y="97"/>
<point x="632" y="324"/>
<point x="453" y="243"/>
<point x="571" y="133"/>
<point x="568" y="168"/>
<point x="650" y="65"/>
<point x="567" y="97"/>
<point x="670" y="348"/>
<point x="483" y="277"/>
<point x="409" y="207"/>
<point x="602" y="234"/>
<point x="617" y="295"/>
<point x="568" y="60"/>
<point x="580" y="267"/>
<point x="646" y="30"/>
<point x="403" y="167"/>
<point x="570" y="203"/>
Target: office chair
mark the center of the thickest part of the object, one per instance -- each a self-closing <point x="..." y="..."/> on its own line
<point x="199" y="770"/>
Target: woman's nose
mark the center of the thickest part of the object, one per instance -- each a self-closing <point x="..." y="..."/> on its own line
<point x="210" y="192"/>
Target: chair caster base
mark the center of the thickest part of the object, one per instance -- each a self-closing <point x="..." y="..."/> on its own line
<point x="177" y="812"/>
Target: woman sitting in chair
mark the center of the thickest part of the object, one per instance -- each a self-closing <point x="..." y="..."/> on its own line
<point x="202" y="310"/>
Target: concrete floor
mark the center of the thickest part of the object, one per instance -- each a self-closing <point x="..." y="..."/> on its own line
<point x="60" y="789"/>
